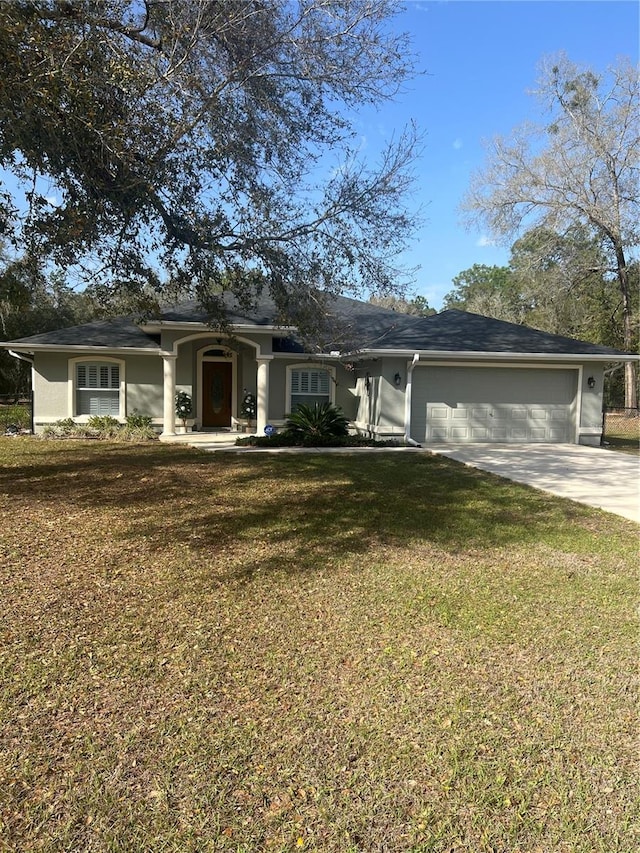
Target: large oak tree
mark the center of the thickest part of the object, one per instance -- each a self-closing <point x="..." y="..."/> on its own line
<point x="580" y="168"/>
<point x="195" y="145"/>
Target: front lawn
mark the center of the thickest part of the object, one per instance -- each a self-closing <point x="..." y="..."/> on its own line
<point x="379" y="652"/>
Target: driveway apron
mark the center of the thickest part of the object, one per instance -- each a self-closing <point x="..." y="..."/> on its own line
<point x="590" y="475"/>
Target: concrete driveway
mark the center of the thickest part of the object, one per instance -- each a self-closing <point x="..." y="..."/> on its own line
<point x="590" y="475"/>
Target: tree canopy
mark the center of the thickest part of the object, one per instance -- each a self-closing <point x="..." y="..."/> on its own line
<point x="415" y="304"/>
<point x="580" y="168"/>
<point x="188" y="143"/>
<point x="491" y="291"/>
<point x="31" y="302"/>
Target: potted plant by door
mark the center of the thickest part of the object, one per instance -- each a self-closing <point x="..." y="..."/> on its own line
<point x="248" y="409"/>
<point x="183" y="408"/>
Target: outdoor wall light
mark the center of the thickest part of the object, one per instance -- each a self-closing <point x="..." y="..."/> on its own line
<point x="397" y="380"/>
<point x="591" y="382"/>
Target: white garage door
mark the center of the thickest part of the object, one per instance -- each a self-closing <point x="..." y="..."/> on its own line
<point x="493" y="404"/>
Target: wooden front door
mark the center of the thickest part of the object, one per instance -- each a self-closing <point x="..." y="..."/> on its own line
<point x="216" y="393"/>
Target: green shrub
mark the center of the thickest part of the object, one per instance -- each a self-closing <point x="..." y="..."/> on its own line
<point x="317" y="422"/>
<point x="145" y="432"/>
<point x="66" y="426"/>
<point x="137" y="421"/>
<point x="280" y="439"/>
<point x="18" y="415"/>
<point x="104" y="425"/>
<point x="283" y="439"/>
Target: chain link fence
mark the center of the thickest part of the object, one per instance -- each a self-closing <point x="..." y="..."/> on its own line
<point x="621" y="426"/>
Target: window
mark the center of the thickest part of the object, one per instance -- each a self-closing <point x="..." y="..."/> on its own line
<point x="97" y="388"/>
<point x="310" y="386"/>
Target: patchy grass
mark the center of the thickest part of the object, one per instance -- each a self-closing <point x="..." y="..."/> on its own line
<point x="380" y="652"/>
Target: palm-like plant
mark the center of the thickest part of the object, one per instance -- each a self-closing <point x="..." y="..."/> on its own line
<point x="317" y="421"/>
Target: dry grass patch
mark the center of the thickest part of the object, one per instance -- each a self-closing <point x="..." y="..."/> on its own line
<point x="331" y="653"/>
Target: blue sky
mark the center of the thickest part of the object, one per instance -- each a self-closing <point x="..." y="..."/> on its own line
<point x="481" y="58"/>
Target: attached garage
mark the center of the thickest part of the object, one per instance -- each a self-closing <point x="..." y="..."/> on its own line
<point x="493" y="404"/>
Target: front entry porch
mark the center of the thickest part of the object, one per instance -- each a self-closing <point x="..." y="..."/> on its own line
<point x="216" y="376"/>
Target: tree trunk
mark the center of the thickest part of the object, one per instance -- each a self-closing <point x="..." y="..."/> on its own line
<point x="630" y="370"/>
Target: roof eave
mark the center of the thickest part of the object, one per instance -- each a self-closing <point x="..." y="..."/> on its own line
<point x="33" y="348"/>
<point x="182" y="326"/>
<point x="467" y="355"/>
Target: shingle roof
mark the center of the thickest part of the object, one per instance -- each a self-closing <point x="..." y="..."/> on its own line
<point x="116" y="333"/>
<point x="460" y="331"/>
<point x="350" y="325"/>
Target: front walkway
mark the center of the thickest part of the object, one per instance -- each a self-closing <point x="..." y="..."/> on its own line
<point x="594" y="476"/>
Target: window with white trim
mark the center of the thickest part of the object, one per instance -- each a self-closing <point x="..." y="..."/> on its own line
<point x="97" y="388"/>
<point x="309" y="386"/>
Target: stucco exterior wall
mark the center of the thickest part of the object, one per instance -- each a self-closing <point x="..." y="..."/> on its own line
<point x="278" y="390"/>
<point x="144" y="385"/>
<point x="53" y="391"/>
<point x="342" y="388"/>
<point x="590" y="415"/>
<point x="50" y="388"/>
<point x="379" y="401"/>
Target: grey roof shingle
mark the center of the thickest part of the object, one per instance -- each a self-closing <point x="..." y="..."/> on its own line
<point x="116" y="333"/>
<point x="349" y="325"/>
<point x="460" y="331"/>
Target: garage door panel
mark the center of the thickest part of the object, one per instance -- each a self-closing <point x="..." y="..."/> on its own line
<point x="493" y="404"/>
<point x="539" y="434"/>
<point x="479" y="434"/>
<point x="459" y="433"/>
<point x="518" y="435"/>
<point x="460" y="414"/>
<point x="480" y="412"/>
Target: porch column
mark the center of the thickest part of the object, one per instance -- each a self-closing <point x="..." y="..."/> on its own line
<point x="262" y="399"/>
<point x="169" y="412"/>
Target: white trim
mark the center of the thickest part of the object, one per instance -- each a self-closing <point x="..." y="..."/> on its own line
<point x="577" y="414"/>
<point x="168" y="394"/>
<point x="262" y="393"/>
<point x="213" y="341"/>
<point x="93" y="351"/>
<point x="310" y="365"/>
<point x="71" y="384"/>
<point x="519" y="366"/>
<point x="408" y="392"/>
<point x="494" y="356"/>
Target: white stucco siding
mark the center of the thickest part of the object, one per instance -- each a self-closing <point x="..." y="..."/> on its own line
<point x="379" y="399"/>
<point x="144" y="385"/>
<point x="494" y="404"/>
<point x="50" y="387"/>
